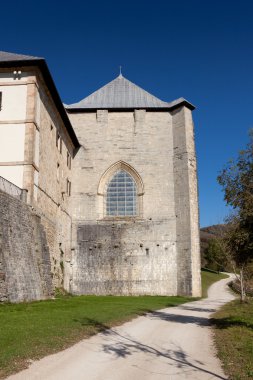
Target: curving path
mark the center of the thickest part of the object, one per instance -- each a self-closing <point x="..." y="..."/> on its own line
<point x="172" y="344"/>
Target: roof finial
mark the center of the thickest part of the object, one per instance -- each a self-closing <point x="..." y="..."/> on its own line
<point x="120" y="73"/>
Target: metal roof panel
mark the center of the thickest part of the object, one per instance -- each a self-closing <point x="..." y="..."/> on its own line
<point x="119" y="93"/>
<point x="10" y="57"/>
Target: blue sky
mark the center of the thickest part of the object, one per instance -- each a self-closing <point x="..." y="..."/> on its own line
<point x="200" y="50"/>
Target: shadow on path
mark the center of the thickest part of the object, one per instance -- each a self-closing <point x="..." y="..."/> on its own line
<point x="200" y="309"/>
<point x="124" y="346"/>
<point x="177" y="318"/>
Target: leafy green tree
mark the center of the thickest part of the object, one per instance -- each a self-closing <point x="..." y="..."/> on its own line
<point x="236" y="180"/>
<point x="215" y="255"/>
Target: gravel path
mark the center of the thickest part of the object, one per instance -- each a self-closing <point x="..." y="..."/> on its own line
<point x="172" y="344"/>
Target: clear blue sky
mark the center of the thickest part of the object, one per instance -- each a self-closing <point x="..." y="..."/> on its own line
<point x="200" y="50"/>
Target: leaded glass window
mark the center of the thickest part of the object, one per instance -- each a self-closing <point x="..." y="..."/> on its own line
<point x="121" y="195"/>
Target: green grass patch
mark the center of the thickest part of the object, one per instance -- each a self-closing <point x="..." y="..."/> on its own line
<point x="208" y="278"/>
<point x="234" y="339"/>
<point x="30" y="331"/>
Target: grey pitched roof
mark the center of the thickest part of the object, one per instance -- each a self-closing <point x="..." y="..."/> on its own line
<point x="180" y="102"/>
<point x="10" y="57"/>
<point x="119" y="93"/>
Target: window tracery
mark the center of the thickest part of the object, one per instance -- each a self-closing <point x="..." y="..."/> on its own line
<point x="121" y="195"/>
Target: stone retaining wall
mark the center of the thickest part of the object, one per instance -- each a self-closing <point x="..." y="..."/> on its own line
<point x="25" y="269"/>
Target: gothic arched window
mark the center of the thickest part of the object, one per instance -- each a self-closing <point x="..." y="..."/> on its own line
<point x="121" y="195"/>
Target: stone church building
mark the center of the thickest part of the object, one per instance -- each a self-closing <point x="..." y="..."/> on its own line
<point x="111" y="180"/>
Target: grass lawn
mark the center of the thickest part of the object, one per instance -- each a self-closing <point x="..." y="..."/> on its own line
<point x="33" y="330"/>
<point x="234" y="339"/>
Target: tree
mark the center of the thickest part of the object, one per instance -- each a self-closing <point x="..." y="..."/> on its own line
<point x="215" y="254"/>
<point x="236" y="180"/>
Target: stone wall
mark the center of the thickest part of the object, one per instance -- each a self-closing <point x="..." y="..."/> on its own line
<point x="70" y="241"/>
<point x="29" y="125"/>
<point x="25" y="269"/>
<point x="143" y="140"/>
<point x="186" y="203"/>
<point x="125" y="258"/>
<point x="47" y="176"/>
<point x="156" y="252"/>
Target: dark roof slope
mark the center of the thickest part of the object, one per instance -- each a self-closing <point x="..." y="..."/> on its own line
<point x="18" y="60"/>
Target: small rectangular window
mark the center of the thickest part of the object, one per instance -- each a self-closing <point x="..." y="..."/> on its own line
<point x="1" y="100"/>
<point x="57" y="140"/>
<point x="58" y="171"/>
<point x="68" y="187"/>
<point x="68" y="160"/>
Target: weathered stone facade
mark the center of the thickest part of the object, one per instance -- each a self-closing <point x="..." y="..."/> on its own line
<point x="154" y="250"/>
<point x="49" y="181"/>
<point x="25" y="268"/>
<point x="46" y="143"/>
